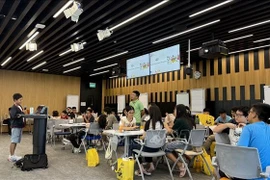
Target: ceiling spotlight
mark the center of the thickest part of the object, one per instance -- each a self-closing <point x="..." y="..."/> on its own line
<point x="75" y="47"/>
<point x="102" y="34"/>
<point x="31" y="46"/>
<point x="74" y="12"/>
<point x="206" y="50"/>
<point x="40" y="26"/>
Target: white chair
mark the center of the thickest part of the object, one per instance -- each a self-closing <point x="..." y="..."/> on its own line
<point x="92" y="133"/>
<point x="50" y="125"/>
<point x="196" y="139"/>
<point x="219" y="138"/>
<point x="222" y="138"/>
<point x="153" y="139"/>
<point x="239" y="162"/>
<point x="59" y="130"/>
<point x="79" y="120"/>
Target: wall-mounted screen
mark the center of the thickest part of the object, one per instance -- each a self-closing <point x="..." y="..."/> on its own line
<point x="165" y="60"/>
<point x="138" y="66"/>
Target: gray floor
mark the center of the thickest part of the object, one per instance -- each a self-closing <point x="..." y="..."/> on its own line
<point x="65" y="165"/>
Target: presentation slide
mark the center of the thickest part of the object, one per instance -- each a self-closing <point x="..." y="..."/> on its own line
<point x="138" y="67"/>
<point x="165" y="60"/>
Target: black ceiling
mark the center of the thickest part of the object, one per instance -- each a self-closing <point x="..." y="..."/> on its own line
<point x="135" y="37"/>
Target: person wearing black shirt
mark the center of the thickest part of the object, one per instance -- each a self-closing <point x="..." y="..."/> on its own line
<point x="17" y="123"/>
<point x="88" y="117"/>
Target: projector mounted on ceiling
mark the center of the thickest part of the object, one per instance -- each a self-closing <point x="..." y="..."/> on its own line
<point x="118" y="71"/>
<point x="213" y="49"/>
<point x="74" y="12"/>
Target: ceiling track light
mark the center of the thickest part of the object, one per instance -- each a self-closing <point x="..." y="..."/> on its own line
<point x="261" y="40"/>
<point x="104" y="67"/>
<point x="31" y="38"/>
<point x="39" y="65"/>
<point x="35" y="56"/>
<point x="6" y="61"/>
<point x="210" y="8"/>
<point x="259" y="47"/>
<point x="73" y="62"/>
<point x="113" y="77"/>
<point x="140" y="14"/>
<point x="187" y="31"/>
<point x="63" y="53"/>
<point x="249" y="26"/>
<point x="104" y="59"/>
<point x="102" y="34"/>
<point x="62" y="9"/>
<point x="238" y="38"/>
<point x="102" y="72"/>
<point x="73" y="69"/>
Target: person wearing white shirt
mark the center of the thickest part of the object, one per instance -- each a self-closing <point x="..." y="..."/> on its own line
<point x="155" y="123"/>
<point x="128" y="122"/>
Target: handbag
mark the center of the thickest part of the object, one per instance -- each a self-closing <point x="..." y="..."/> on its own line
<point x="108" y="153"/>
<point x="204" y="168"/>
<point x="200" y="166"/>
<point x="92" y="157"/>
<point x="34" y="161"/>
<point x="125" y="169"/>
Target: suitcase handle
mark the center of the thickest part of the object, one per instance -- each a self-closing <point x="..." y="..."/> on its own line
<point x="34" y="161"/>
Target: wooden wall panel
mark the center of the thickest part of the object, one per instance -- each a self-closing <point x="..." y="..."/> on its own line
<point x="37" y="89"/>
<point x="232" y="77"/>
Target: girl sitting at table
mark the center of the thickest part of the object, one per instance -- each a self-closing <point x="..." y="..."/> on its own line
<point x="155" y="123"/>
<point x="128" y="123"/>
<point x="183" y="121"/>
<point x="75" y="138"/>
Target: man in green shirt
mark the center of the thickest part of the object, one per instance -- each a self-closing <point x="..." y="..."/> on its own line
<point x="137" y="105"/>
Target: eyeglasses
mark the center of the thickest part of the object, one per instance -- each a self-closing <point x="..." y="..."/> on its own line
<point x="239" y="115"/>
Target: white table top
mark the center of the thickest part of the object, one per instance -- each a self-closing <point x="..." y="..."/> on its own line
<point x="125" y="133"/>
<point x="73" y="125"/>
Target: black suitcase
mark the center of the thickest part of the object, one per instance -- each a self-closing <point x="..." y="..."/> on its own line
<point x="34" y="161"/>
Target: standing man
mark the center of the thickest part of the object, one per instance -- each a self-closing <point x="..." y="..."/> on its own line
<point x="17" y="124"/>
<point x="137" y="105"/>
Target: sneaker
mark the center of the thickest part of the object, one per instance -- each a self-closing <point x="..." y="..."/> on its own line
<point x="13" y="158"/>
<point x="76" y="150"/>
<point x="17" y="157"/>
